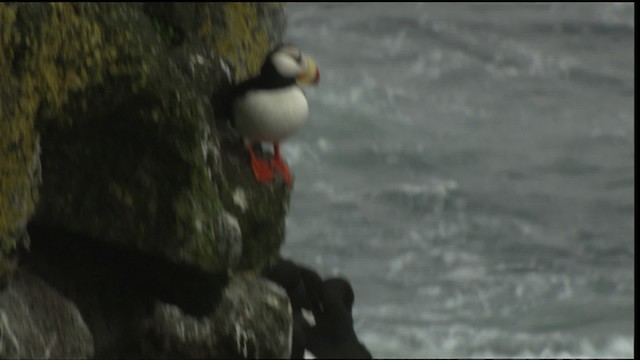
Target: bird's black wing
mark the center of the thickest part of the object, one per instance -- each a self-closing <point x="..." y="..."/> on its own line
<point x="223" y="99"/>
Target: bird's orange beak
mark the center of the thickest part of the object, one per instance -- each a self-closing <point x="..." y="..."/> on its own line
<point x="311" y="75"/>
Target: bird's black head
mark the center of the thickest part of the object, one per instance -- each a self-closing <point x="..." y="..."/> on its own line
<point x="287" y="65"/>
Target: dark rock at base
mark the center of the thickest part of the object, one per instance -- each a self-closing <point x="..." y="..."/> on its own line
<point x="37" y="322"/>
<point x="115" y="288"/>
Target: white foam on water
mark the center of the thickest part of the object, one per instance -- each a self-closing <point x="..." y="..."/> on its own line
<point x="324" y="145"/>
<point x="468" y="273"/>
<point x="465" y="341"/>
<point x="431" y="186"/>
<point x="296" y="152"/>
<point x="394" y="44"/>
<point x="398" y="264"/>
<point x="450" y="263"/>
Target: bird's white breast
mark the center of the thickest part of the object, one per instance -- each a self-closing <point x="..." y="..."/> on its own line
<point x="271" y="114"/>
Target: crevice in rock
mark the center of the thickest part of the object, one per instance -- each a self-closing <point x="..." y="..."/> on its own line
<point x="96" y="264"/>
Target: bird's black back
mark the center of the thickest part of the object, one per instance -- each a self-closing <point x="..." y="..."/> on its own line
<point x="268" y="78"/>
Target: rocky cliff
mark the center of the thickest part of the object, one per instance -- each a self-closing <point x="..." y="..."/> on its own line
<point x="124" y="188"/>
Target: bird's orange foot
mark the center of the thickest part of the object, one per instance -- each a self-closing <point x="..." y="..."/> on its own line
<point x="279" y="165"/>
<point x="261" y="170"/>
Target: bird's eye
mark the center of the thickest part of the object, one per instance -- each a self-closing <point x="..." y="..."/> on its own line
<point x="298" y="57"/>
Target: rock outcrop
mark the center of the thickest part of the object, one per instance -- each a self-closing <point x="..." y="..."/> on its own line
<point x="37" y="323"/>
<point x="123" y="186"/>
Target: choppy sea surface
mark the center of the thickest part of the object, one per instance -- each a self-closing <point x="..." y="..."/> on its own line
<point x="470" y="169"/>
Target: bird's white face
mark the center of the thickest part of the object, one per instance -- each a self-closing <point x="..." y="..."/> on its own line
<point x="291" y="62"/>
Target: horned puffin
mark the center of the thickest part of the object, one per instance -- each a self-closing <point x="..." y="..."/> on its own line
<point x="271" y="106"/>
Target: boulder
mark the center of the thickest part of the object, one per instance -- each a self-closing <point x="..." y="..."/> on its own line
<point x="36" y="322"/>
<point x="252" y="320"/>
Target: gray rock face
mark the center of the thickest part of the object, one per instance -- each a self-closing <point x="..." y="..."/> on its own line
<point x="37" y="322"/>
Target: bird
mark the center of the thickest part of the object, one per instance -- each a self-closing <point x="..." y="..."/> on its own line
<point x="271" y="106"/>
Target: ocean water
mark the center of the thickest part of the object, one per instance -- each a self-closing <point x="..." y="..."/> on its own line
<point x="470" y="169"/>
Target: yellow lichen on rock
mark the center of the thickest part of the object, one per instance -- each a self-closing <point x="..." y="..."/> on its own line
<point x="17" y="143"/>
<point x="244" y="42"/>
<point x="49" y="67"/>
<point x="61" y="65"/>
<point x="7" y="18"/>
